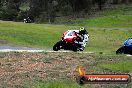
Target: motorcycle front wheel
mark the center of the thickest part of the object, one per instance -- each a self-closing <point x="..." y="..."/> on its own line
<point x="121" y="50"/>
<point x="57" y="46"/>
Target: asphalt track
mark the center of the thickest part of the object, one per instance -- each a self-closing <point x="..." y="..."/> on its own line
<point x="33" y="50"/>
<point x="26" y="49"/>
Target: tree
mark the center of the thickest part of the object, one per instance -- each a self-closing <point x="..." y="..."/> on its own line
<point x="100" y="3"/>
<point x="9" y="10"/>
<point x="125" y="1"/>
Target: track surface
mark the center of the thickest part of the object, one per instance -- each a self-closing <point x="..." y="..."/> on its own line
<point x="19" y="49"/>
<point x="26" y="49"/>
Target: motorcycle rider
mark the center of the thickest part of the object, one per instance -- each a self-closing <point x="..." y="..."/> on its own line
<point x="29" y="19"/>
<point x="83" y="35"/>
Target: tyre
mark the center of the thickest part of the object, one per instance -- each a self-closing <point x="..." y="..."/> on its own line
<point x="74" y="48"/>
<point x="57" y="46"/>
<point x="121" y="50"/>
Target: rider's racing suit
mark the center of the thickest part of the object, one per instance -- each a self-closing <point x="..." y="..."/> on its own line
<point x="84" y="39"/>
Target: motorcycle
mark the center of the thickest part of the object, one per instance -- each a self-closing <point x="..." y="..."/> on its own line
<point x="126" y="48"/>
<point x="27" y="20"/>
<point x="69" y="41"/>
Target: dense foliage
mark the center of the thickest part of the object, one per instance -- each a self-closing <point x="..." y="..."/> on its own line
<point x="48" y="10"/>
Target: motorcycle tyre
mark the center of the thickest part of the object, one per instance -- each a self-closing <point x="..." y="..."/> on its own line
<point x="56" y="47"/>
<point x="121" y="50"/>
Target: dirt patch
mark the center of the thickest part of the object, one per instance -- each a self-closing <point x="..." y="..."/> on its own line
<point x="17" y="68"/>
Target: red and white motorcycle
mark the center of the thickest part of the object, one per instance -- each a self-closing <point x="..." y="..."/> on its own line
<point x="70" y="41"/>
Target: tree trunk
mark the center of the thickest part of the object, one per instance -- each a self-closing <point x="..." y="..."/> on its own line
<point x="100" y="5"/>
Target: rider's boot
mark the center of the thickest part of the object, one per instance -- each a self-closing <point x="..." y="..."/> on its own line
<point x="81" y="48"/>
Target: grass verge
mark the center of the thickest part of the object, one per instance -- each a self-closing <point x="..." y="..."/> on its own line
<point x="59" y="84"/>
<point x="119" y="17"/>
<point x="46" y="35"/>
<point x="124" y="66"/>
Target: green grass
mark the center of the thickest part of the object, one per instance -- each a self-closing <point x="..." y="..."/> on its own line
<point x="106" y="40"/>
<point x="101" y="39"/>
<point x="46" y="35"/>
<point x="122" y="66"/>
<point x="71" y="84"/>
<point x="63" y="84"/>
<point x="59" y="84"/>
<point x="121" y="21"/>
<point x="120" y="17"/>
<point x="30" y="34"/>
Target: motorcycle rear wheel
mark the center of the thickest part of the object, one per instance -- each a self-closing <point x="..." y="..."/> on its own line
<point x="74" y="48"/>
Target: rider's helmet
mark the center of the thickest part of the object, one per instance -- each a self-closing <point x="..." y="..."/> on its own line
<point x="82" y="31"/>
